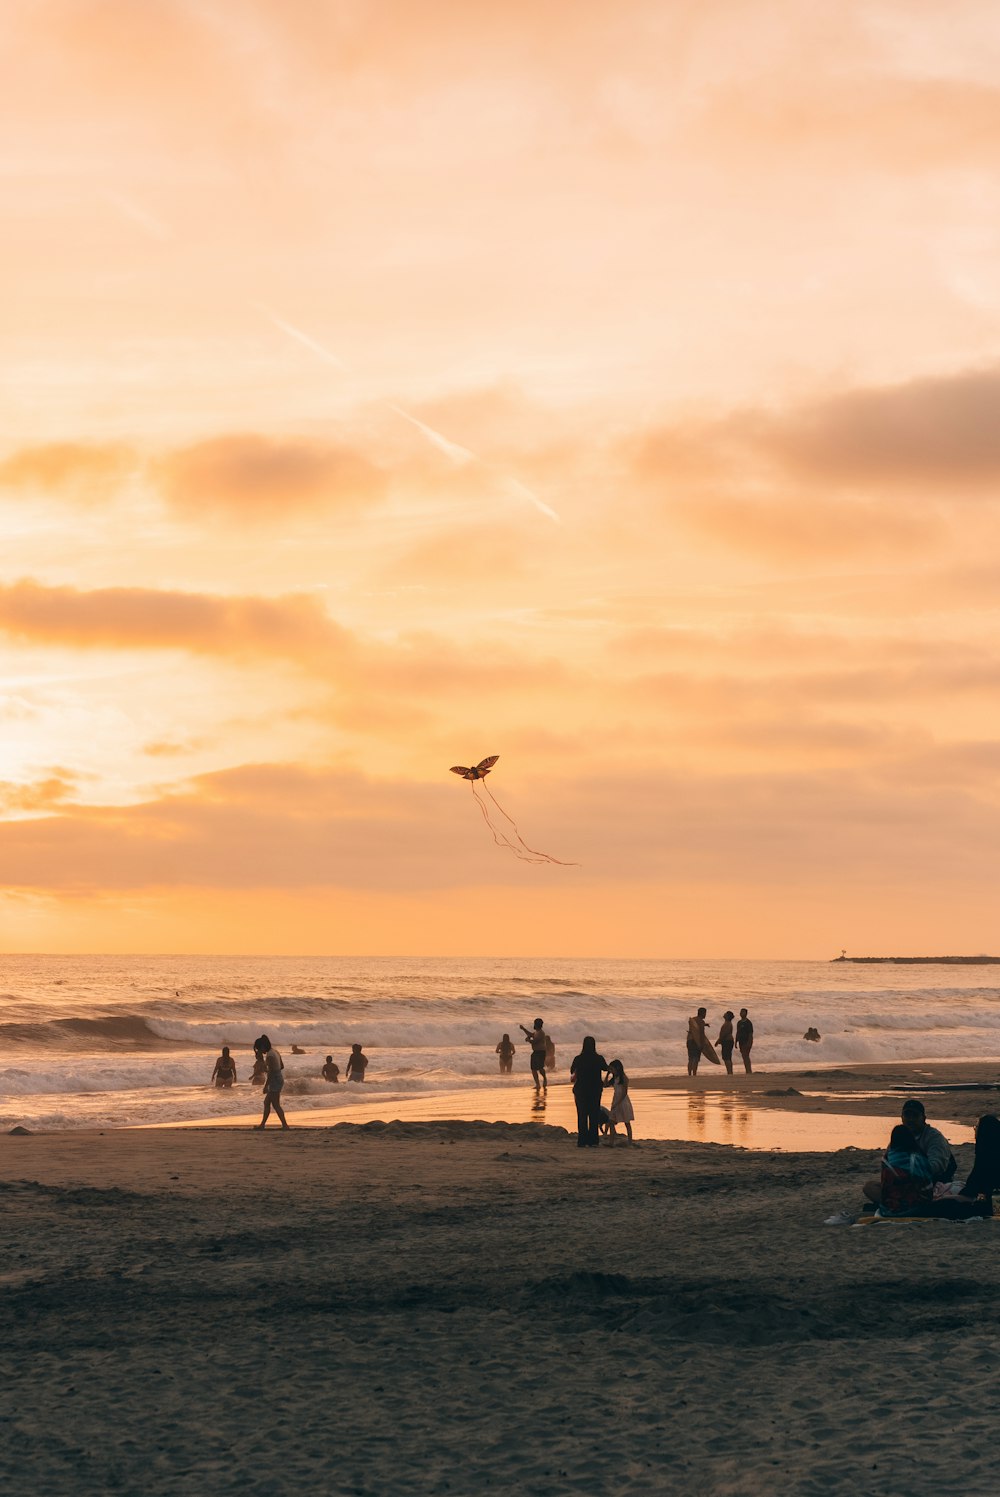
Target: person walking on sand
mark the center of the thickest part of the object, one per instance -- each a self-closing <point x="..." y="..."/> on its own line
<point x="539" y="1043"/>
<point x="744" y="1040"/>
<point x="621" y="1104"/>
<point x="725" y="1040"/>
<point x="274" y="1081"/>
<point x="506" y="1052"/>
<point x="587" y="1074"/>
<point x="357" y="1064"/>
<point x="696" y="1040"/>
<point x="330" y="1071"/>
<point x="224" y="1073"/>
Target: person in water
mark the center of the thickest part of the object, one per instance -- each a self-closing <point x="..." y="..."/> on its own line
<point x="587" y="1075"/>
<point x="539" y="1044"/>
<point x="357" y="1064"/>
<point x="330" y="1071"/>
<point x="273" y="1082"/>
<point x="930" y="1142"/>
<point x="259" y="1073"/>
<point x="725" y="1040"/>
<point x="696" y="1039"/>
<point x="506" y="1052"/>
<point x="550" y="1054"/>
<point x="224" y="1073"/>
<point x="621" y="1104"/>
<point x="744" y="1040"/>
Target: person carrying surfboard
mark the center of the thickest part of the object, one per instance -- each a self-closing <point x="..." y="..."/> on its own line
<point x="698" y="1042"/>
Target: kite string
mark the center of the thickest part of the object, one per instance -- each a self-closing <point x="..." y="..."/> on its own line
<point x="500" y="837"/>
<point x="536" y="856"/>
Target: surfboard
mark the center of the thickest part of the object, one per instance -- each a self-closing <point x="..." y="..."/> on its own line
<point x="708" y="1050"/>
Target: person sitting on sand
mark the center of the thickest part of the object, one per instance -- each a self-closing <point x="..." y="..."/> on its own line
<point x="539" y="1043"/>
<point x="357" y="1064"/>
<point x="975" y="1197"/>
<point x="725" y="1040"/>
<point x="931" y="1143"/>
<point x="224" y="1073"/>
<point x="621" y="1104"/>
<point x="696" y="1039"/>
<point x="331" y="1071"/>
<point x="274" y="1081"/>
<point x="905" y="1187"/>
<point x="744" y="1040"/>
<point x="587" y="1074"/>
<point x="506" y="1052"/>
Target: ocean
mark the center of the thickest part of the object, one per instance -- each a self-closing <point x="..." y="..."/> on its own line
<point x="114" y="1041"/>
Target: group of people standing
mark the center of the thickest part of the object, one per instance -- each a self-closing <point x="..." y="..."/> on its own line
<point x="698" y="1043"/>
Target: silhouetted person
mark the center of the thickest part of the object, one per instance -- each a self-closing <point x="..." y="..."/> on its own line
<point x="621" y="1110"/>
<point x="357" y="1064"/>
<point x="259" y="1073"/>
<point x="506" y="1052"/>
<point x="587" y="1073"/>
<point x="696" y="1040"/>
<point x="539" y="1043"/>
<point x="976" y="1196"/>
<point x="930" y="1142"/>
<point x="224" y="1073"/>
<point x="550" y="1054"/>
<point x="744" y="1040"/>
<point x="273" y="1081"/>
<point x="330" y="1071"/>
<point x="725" y="1040"/>
<point x="298" y="1050"/>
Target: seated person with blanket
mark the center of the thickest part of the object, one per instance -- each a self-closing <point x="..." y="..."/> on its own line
<point x="928" y="1141"/>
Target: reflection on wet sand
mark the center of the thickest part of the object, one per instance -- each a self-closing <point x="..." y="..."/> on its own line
<point x="538" y="1107"/>
<point x="696" y="1115"/>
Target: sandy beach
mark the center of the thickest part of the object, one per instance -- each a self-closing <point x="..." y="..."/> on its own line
<point x="457" y="1307"/>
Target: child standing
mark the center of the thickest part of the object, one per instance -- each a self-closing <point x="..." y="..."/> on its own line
<point x="621" y="1104"/>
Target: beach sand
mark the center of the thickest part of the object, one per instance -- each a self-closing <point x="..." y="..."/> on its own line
<point x="460" y="1307"/>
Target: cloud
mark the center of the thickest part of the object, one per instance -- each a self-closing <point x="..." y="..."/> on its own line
<point x="52" y="792"/>
<point x="81" y="470"/>
<point x="251" y="477"/>
<point x="294" y="627"/>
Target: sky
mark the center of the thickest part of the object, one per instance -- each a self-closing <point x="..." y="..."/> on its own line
<point x="609" y="385"/>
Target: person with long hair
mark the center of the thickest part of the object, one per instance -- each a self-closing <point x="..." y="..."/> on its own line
<point x="587" y="1074"/>
<point x="975" y="1197"/>
<point x="622" y="1110"/>
<point x="273" y="1080"/>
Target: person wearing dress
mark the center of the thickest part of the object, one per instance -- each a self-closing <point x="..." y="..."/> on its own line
<point x="621" y="1104"/>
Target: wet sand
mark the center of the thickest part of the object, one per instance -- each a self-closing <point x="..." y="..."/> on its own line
<point x="454" y="1307"/>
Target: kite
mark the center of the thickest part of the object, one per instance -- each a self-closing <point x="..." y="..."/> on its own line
<point x="502" y="838"/>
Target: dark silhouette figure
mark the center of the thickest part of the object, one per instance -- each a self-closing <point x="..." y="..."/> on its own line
<point x="330" y="1071"/>
<point x="930" y="1142"/>
<point x="587" y="1072"/>
<point x="539" y="1044"/>
<point x="976" y="1196"/>
<point x="725" y="1040"/>
<point x="357" y="1064"/>
<point x="259" y="1073"/>
<point x="744" y="1040"/>
<point x="506" y="1052"/>
<point x="273" y="1081"/>
<point x="695" y="1039"/>
<point x="225" y="1069"/>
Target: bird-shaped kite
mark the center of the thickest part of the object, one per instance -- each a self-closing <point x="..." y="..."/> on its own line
<point x="502" y="838"/>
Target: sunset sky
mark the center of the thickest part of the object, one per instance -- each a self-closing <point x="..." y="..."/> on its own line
<point x="612" y="386"/>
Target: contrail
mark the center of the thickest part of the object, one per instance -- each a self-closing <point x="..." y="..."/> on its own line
<point x="137" y="215"/>
<point x="452" y="450"/>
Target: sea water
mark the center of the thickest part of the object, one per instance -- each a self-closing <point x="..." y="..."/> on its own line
<point x="99" y="1041"/>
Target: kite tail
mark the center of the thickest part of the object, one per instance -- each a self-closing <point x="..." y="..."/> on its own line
<point x="501" y="838"/>
<point x="536" y="856"/>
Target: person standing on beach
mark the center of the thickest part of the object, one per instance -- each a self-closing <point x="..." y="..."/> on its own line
<point x="357" y="1064"/>
<point x="273" y="1082"/>
<point x="539" y="1044"/>
<point x="696" y="1039"/>
<point x="622" y="1110"/>
<point x="744" y="1040"/>
<point x="506" y="1052"/>
<point x="587" y="1073"/>
<point x="725" y="1040"/>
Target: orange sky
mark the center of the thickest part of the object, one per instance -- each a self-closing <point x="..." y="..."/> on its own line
<point x="609" y="386"/>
